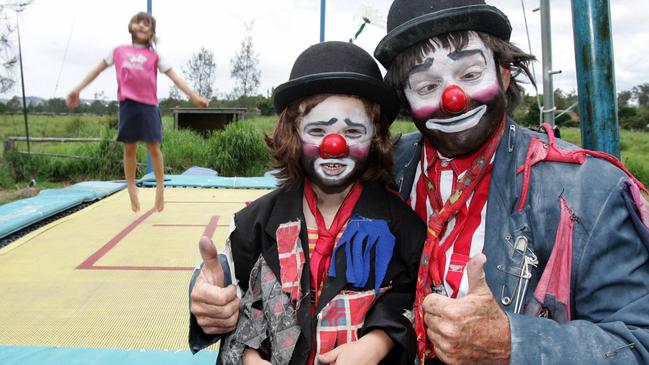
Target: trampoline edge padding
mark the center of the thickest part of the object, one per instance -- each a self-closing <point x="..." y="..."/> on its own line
<point x="39" y="355"/>
<point x="206" y="181"/>
<point x="22" y="213"/>
<point x="19" y="214"/>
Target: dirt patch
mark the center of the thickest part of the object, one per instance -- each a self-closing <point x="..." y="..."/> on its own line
<point x="7" y="195"/>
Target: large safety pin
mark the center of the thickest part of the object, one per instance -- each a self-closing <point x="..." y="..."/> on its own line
<point x="523" y="280"/>
<point x="523" y="273"/>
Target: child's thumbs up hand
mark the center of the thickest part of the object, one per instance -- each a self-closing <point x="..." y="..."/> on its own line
<point x="216" y="308"/>
<point x="211" y="271"/>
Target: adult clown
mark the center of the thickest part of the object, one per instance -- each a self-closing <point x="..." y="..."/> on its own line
<point x="566" y="277"/>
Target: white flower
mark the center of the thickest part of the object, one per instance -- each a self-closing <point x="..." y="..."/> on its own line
<point x="372" y="16"/>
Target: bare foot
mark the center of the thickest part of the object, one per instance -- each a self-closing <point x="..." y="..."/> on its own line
<point x="159" y="198"/>
<point x="135" y="202"/>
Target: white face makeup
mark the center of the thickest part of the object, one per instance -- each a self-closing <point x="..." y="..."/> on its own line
<point x="341" y="115"/>
<point x="459" y="123"/>
<point x="472" y="69"/>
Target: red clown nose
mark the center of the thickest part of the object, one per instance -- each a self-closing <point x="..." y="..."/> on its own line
<point x="454" y="100"/>
<point x="333" y="145"/>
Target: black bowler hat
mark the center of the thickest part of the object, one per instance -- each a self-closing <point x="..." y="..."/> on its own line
<point x="336" y="68"/>
<point x="411" y="21"/>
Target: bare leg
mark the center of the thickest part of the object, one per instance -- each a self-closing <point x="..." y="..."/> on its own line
<point x="157" y="161"/>
<point x="130" y="166"/>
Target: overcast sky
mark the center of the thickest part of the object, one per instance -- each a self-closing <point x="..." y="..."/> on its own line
<point x="89" y="29"/>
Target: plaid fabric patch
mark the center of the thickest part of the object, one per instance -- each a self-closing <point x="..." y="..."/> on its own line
<point x="276" y="321"/>
<point x="340" y="320"/>
<point x="291" y="259"/>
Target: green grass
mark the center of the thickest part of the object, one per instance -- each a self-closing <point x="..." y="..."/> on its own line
<point x="634" y="150"/>
<point x="634" y="146"/>
<point x="73" y="125"/>
<point x="236" y="151"/>
<point x="402" y="126"/>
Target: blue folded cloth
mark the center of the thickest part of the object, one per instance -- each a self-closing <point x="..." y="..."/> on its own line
<point x="361" y="236"/>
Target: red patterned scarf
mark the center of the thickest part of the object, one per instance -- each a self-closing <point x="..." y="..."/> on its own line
<point x="321" y="258"/>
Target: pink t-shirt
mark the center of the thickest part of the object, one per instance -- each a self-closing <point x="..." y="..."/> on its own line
<point x="137" y="73"/>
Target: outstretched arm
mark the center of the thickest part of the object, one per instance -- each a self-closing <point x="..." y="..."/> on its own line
<point x="198" y="100"/>
<point x="73" y="97"/>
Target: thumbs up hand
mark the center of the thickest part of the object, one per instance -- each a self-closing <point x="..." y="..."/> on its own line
<point x="472" y="329"/>
<point x="211" y="271"/>
<point x="216" y="308"/>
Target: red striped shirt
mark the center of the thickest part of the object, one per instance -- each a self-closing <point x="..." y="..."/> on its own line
<point x="464" y="233"/>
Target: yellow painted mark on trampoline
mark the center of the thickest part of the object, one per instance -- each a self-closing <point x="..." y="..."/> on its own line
<point x="135" y="294"/>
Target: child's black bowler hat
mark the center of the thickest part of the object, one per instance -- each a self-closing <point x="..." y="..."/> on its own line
<point x="337" y="68"/>
<point x="411" y="21"/>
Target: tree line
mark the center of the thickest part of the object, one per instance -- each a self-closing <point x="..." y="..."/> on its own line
<point x="633" y="106"/>
<point x="632" y="109"/>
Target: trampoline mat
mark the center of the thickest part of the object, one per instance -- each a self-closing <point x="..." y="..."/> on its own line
<point x="107" y="278"/>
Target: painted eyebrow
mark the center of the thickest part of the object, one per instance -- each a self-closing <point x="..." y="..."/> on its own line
<point x="428" y="63"/>
<point x="322" y="123"/>
<point x="334" y="120"/>
<point x="456" y="55"/>
<point x="355" y="125"/>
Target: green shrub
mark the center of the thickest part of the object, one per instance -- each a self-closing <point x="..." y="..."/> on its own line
<point x="109" y="154"/>
<point x="238" y="150"/>
<point x="69" y="161"/>
<point x="6" y="179"/>
<point x="183" y="149"/>
<point x="634" y="123"/>
<point x="265" y="107"/>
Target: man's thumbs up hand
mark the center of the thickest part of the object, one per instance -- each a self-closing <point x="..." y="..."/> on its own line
<point x="472" y="329"/>
<point x="476" y="277"/>
<point x="216" y="308"/>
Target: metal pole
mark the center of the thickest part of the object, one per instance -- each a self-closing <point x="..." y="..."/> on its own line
<point x="591" y="23"/>
<point x="22" y="84"/>
<point x="149" y="164"/>
<point x="323" y="5"/>
<point x="546" y="50"/>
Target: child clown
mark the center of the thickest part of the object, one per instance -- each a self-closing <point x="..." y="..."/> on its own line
<point x="326" y="262"/>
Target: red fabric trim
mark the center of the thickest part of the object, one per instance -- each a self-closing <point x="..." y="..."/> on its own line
<point x="540" y="151"/>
